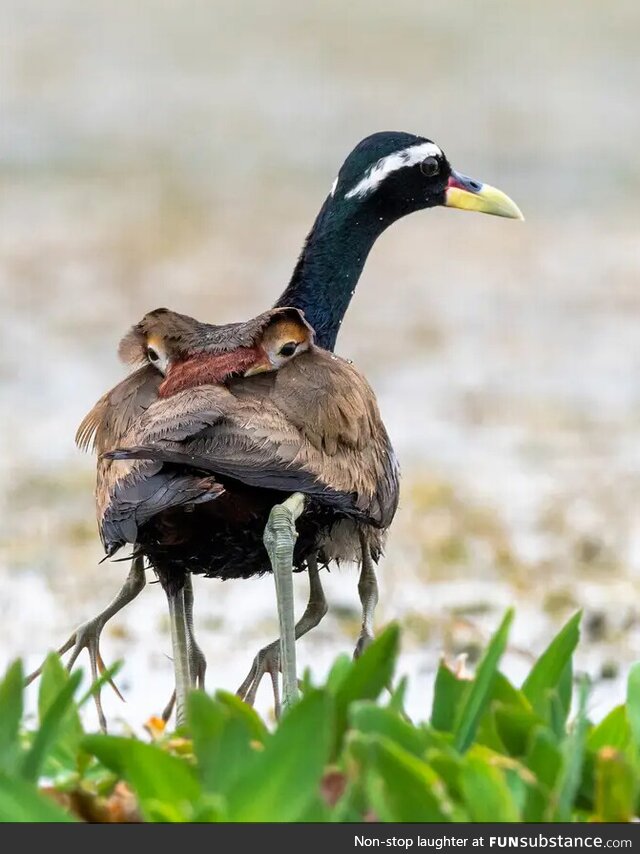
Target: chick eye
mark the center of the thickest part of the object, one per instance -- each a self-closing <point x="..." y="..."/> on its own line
<point x="288" y="349"/>
<point x="152" y="355"/>
<point x="430" y="167"/>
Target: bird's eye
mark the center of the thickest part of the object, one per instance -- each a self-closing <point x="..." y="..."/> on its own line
<point x="152" y="355"/>
<point x="430" y="167"/>
<point x="288" y="349"/>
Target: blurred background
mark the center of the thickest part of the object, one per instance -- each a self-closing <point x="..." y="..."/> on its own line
<point x="176" y="153"/>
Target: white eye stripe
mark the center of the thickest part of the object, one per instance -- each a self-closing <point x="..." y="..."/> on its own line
<point x="333" y="188"/>
<point x="391" y="163"/>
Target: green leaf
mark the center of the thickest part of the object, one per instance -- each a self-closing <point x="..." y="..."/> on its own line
<point x="20" y="801"/>
<point x="398" y="696"/>
<point x="514" y="725"/>
<point x="544" y="758"/>
<point x="221" y="741"/>
<point x="552" y="671"/>
<point x="57" y="721"/>
<point x="283" y="781"/>
<point x="573" y="752"/>
<point x="252" y="720"/>
<point x="486" y="793"/>
<point x="612" y="731"/>
<point x="633" y="703"/>
<point x="339" y="673"/>
<point x="616" y="787"/>
<point x="367" y="677"/>
<point x="402" y="787"/>
<point x="448" y="695"/>
<point x="370" y="719"/>
<point x="10" y="716"/>
<point x="62" y="758"/>
<point x="157" y="777"/>
<point x="476" y="701"/>
<point x="505" y="693"/>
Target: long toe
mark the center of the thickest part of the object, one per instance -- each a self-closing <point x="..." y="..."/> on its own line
<point x="266" y="661"/>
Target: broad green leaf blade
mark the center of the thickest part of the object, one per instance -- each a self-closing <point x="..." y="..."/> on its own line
<point x="448" y="696"/>
<point x="62" y="755"/>
<point x="367" y="677"/>
<point x="514" y="725"/>
<point x="221" y="742"/>
<point x="613" y="731"/>
<point x="22" y="802"/>
<point x="283" y="782"/>
<point x="402" y="787"/>
<point x="486" y="793"/>
<point x="552" y="671"/>
<point x="58" y="711"/>
<point x="370" y="719"/>
<point x="476" y="701"/>
<point x="156" y="776"/>
<point x="339" y="673"/>
<point x="10" y="716"/>
<point x="253" y="722"/>
<point x="633" y="703"/>
<point x="616" y="787"/>
<point x="544" y="758"/>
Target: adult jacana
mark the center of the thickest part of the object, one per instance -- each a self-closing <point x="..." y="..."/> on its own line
<point x="387" y="176"/>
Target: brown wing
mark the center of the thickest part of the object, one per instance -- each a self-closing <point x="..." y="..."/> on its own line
<point x="312" y="427"/>
<point x="107" y="424"/>
<point x="115" y="412"/>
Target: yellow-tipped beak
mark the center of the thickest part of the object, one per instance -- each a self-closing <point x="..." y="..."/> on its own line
<point x="470" y="195"/>
<point x="258" y="368"/>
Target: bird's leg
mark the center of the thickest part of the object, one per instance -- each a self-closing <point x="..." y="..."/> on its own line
<point x="268" y="659"/>
<point x="279" y="539"/>
<point x="180" y="646"/>
<point x="197" y="661"/>
<point x="368" y="592"/>
<point x="87" y="635"/>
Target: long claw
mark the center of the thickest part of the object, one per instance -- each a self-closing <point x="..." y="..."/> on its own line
<point x="87" y="636"/>
<point x="168" y="709"/>
<point x="102" y="668"/>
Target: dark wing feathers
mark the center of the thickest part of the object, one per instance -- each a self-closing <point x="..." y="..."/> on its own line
<point x="311" y="427"/>
<point x="140" y="496"/>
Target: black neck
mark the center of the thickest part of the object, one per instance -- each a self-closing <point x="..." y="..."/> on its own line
<point x="327" y="272"/>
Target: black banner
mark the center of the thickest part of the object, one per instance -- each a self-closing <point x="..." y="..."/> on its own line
<point x="302" y="838"/>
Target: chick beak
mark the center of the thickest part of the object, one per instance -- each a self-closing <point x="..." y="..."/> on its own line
<point x="260" y="367"/>
<point x="470" y="195"/>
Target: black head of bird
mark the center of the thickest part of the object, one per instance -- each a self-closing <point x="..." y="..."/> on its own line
<point x="387" y="176"/>
<point x="394" y="174"/>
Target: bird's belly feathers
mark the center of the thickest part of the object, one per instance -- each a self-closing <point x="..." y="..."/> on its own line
<point x="224" y="538"/>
